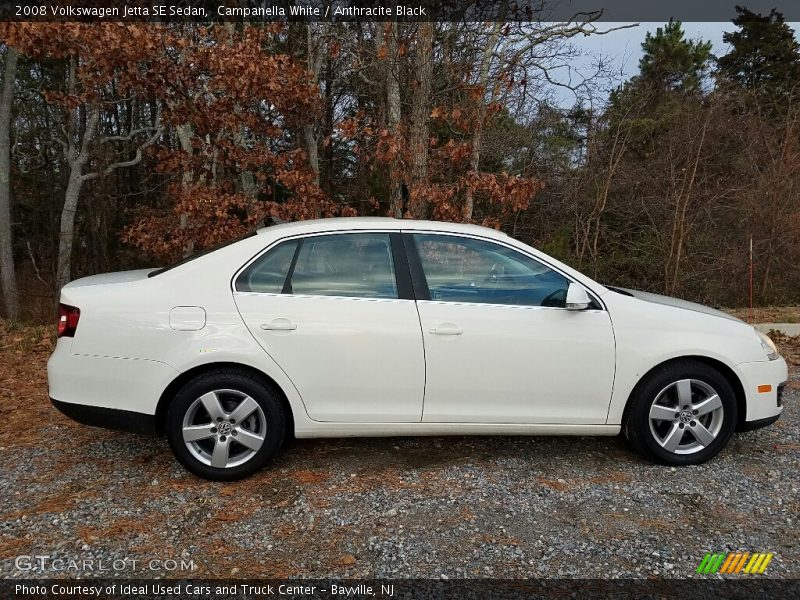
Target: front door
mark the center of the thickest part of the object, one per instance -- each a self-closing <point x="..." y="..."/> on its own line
<point x="331" y="311"/>
<point x="499" y="345"/>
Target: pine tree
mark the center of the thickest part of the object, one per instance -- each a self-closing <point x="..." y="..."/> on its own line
<point x="764" y="59"/>
<point x="671" y="62"/>
<point x="669" y="83"/>
<point x="671" y="65"/>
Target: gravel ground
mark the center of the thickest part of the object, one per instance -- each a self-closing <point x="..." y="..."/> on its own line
<point x="403" y="507"/>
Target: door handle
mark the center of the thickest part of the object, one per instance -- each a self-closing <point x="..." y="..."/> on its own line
<point x="447" y="329"/>
<point x="279" y="325"/>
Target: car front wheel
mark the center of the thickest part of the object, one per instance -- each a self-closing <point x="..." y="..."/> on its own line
<point x="683" y="413"/>
<point x="225" y="425"/>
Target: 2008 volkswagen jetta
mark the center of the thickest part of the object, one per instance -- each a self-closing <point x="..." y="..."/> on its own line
<point x="380" y="327"/>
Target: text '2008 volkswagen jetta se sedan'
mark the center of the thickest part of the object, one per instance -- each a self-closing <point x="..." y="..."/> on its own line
<point x="384" y="327"/>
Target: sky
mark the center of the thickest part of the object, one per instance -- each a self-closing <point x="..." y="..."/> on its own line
<point x="622" y="51"/>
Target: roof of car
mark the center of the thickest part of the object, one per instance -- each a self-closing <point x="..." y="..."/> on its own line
<point x="340" y="223"/>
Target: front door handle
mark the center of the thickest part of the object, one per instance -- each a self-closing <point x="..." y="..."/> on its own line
<point x="279" y="325"/>
<point x="447" y="329"/>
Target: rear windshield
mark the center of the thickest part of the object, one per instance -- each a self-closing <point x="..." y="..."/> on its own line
<point x="183" y="261"/>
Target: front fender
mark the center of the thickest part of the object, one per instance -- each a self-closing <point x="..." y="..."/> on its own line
<point x="649" y="334"/>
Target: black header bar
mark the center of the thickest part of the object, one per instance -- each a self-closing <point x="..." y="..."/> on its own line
<point x="267" y="11"/>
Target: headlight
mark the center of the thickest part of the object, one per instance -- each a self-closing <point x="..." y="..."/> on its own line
<point x="768" y="345"/>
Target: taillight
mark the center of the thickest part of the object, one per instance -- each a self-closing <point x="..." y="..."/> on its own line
<point x="68" y="320"/>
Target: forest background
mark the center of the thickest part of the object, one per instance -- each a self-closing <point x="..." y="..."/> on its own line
<point x="131" y="145"/>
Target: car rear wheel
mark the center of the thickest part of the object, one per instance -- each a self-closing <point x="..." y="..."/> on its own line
<point x="683" y="413"/>
<point x="225" y="425"/>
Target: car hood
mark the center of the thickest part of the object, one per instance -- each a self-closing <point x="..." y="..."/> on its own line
<point x="676" y="302"/>
<point x="106" y="278"/>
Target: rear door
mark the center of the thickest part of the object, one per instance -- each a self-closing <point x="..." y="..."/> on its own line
<point x="337" y="313"/>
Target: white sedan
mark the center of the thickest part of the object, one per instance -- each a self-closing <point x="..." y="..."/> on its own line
<point x="383" y="327"/>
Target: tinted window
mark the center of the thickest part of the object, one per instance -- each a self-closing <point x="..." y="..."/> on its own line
<point x="352" y="264"/>
<point x="268" y="273"/>
<point x="468" y="270"/>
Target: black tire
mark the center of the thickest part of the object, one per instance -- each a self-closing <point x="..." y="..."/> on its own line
<point x="637" y="423"/>
<point x="274" y="420"/>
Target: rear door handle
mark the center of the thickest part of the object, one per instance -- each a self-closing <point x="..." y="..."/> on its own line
<point x="447" y="329"/>
<point x="279" y="325"/>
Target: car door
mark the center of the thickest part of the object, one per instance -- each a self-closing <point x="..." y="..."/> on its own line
<point x="336" y="312"/>
<point x="499" y="345"/>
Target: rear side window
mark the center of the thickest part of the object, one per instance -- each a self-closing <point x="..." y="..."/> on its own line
<point x="352" y="264"/>
<point x="267" y="274"/>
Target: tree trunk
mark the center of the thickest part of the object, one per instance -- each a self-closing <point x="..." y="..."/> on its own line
<point x="591" y="228"/>
<point x="477" y="134"/>
<point x="679" y="225"/>
<point x="312" y="146"/>
<point x="67" y="230"/>
<point x="7" y="274"/>
<point x="316" y="50"/>
<point x="420" y="116"/>
<point x="327" y="129"/>
<point x="249" y="185"/>
<point x="393" y="118"/>
<point x="76" y="160"/>
<point x="185" y="133"/>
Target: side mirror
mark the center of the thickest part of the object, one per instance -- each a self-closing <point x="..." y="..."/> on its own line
<point x="577" y="298"/>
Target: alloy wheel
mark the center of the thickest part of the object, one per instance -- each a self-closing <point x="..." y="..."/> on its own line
<point x="224" y="428"/>
<point x="686" y="416"/>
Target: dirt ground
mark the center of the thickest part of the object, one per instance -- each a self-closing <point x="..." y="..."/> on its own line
<point x="403" y="507"/>
<point x="768" y="314"/>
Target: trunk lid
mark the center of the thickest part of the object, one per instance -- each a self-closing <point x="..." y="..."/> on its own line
<point x="108" y="278"/>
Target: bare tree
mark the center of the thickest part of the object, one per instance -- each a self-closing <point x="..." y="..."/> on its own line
<point x="80" y="145"/>
<point x="420" y="111"/>
<point x="7" y="274"/>
<point x="684" y="194"/>
<point x="316" y="42"/>
<point x="477" y="132"/>
<point x="393" y="116"/>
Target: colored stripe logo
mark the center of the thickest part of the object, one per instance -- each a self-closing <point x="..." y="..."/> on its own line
<point x="734" y="562"/>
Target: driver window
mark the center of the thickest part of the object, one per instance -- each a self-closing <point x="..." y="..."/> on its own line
<point x="468" y="270"/>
